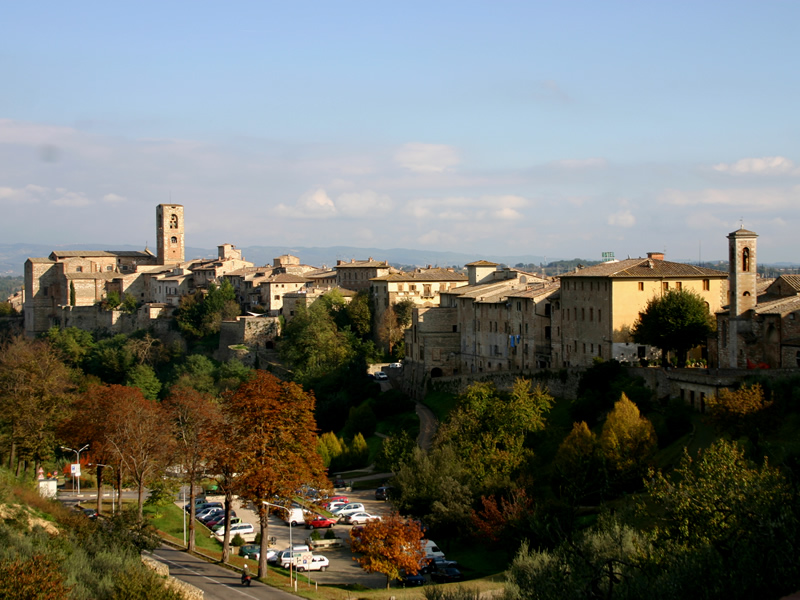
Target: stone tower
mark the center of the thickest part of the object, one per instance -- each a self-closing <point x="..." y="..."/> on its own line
<point x="742" y="289"/>
<point x="170" y="232"/>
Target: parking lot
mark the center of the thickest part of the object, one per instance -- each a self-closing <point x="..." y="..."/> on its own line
<point x="343" y="569"/>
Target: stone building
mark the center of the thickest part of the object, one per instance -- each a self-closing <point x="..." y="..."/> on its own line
<point x="492" y="323"/>
<point x="356" y="274"/>
<point x="760" y="326"/>
<point x="421" y="286"/>
<point x="598" y="305"/>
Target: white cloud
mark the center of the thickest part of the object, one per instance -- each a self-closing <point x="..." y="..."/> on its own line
<point x="754" y="199"/>
<point x="361" y="204"/>
<point x="426" y="158"/>
<point x="769" y="165"/>
<point x="73" y="199"/>
<point x="30" y="194"/>
<point x="623" y="218"/>
<point x="465" y="208"/>
<point x="114" y="198"/>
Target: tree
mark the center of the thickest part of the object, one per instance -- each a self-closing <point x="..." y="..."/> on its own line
<point x="35" y="392"/>
<point x="200" y="314"/>
<point x="74" y="345"/>
<point x="741" y="412"/>
<point x="275" y="436"/>
<point x="579" y="466"/>
<point x="196" y="419"/>
<point x="139" y="435"/>
<point x="389" y="546"/>
<point x="502" y="520"/>
<point x="628" y="441"/>
<point x="677" y="321"/>
<point x="435" y="487"/>
<point x="488" y="429"/>
<point x="144" y="378"/>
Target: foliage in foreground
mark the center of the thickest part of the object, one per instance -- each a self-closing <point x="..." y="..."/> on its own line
<point x="390" y="547"/>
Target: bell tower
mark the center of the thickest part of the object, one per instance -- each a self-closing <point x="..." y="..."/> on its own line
<point x="170" y="232"/>
<point x="741" y="291"/>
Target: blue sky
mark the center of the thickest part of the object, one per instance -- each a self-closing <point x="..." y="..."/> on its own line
<point x="562" y="129"/>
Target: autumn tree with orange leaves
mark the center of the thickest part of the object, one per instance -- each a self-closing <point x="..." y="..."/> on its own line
<point x="195" y="418"/>
<point x="272" y="423"/>
<point x="390" y="546"/>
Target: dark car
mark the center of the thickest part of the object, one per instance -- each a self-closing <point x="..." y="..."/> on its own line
<point x="382" y="493"/>
<point x="339" y="483"/>
<point x="90" y="513"/>
<point x="446" y="575"/>
<point x="411" y="580"/>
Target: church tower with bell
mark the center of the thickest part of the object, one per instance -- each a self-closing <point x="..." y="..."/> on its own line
<point x="742" y="278"/>
<point x="170" y="233"/>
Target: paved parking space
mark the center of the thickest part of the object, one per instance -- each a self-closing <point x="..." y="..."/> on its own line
<point x="343" y="569"/>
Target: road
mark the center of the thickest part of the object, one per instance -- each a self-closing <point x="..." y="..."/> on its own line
<point x="217" y="583"/>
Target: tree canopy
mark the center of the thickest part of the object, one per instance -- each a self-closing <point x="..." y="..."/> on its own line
<point x="389" y="546"/>
<point x="676" y="321"/>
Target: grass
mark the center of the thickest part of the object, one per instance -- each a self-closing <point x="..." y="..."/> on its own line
<point x="441" y="403"/>
<point x="407" y="421"/>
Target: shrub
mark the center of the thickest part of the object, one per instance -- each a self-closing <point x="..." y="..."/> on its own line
<point x="237" y="540"/>
<point x="329" y="535"/>
<point x="315" y="535"/>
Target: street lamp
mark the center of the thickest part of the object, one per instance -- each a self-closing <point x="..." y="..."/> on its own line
<point x="291" y="546"/>
<point x="101" y="482"/>
<point x="78" y="453"/>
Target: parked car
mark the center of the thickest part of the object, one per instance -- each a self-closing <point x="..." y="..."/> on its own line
<point x="348" y="509"/>
<point x="396" y="365"/>
<point x="411" y="580"/>
<point x="246" y="530"/>
<point x="285" y="557"/>
<point x="339" y="483"/>
<point x="446" y="575"/>
<point x="360" y="518"/>
<point x="381" y="376"/>
<point x="339" y="498"/>
<point x="332" y="506"/>
<point x="90" y="513"/>
<point x="317" y="563"/>
<point x="320" y="522"/>
<point x="204" y="505"/>
<point x="197" y="502"/>
<point x="382" y="493"/>
<point x="209" y="514"/>
<point x="253" y="552"/>
<point x="221" y="523"/>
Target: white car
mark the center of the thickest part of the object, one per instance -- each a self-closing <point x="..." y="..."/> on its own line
<point x="348" y="509"/>
<point x="246" y="530"/>
<point x="318" y="563"/>
<point x="360" y="518"/>
<point x="381" y="376"/>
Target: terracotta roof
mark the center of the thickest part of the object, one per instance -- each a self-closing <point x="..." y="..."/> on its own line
<point x="742" y="232"/>
<point x="363" y="263"/>
<point x="100" y="253"/>
<point x="645" y="268"/>
<point x="423" y="275"/>
<point x="41" y="259"/>
<point x="781" y="306"/>
<point x="481" y="263"/>
<point x="534" y="291"/>
<point x="286" y="278"/>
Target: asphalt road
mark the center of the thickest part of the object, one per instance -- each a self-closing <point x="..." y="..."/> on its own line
<point x="217" y="583"/>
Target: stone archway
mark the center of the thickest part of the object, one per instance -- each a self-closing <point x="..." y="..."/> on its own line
<point x="436" y="372"/>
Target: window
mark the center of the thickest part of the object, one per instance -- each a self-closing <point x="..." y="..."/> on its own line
<point x="277" y="297"/>
<point x="641" y="286"/>
<point x="599" y="315"/>
<point x="591" y="314"/>
<point x="399" y="287"/>
<point x="746" y="259"/>
<point x="665" y="286"/>
<point x="546" y="333"/>
<point x="173" y="222"/>
<point x="583" y="314"/>
<point x="79" y="269"/>
<point x="575" y="313"/>
<point x="706" y="285"/>
<point x="173" y="240"/>
<point x="584" y="347"/>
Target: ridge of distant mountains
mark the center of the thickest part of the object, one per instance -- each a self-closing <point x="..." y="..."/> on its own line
<point x="13" y="256"/>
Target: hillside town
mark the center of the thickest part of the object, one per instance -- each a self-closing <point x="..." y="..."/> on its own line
<point x="488" y="318"/>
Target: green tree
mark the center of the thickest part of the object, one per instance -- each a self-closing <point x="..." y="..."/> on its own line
<point x="741" y="412"/>
<point x="676" y="321"/>
<point x="435" y="487"/>
<point x="200" y="314"/>
<point x="35" y="391"/>
<point x="395" y="450"/>
<point x="72" y="300"/>
<point x="628" y="442"/>
<point x="144" y="378"/>
<point x="359" y="314"/>
<point x="579" y="466"/>
<point x="74" y="345"/>
<point x="488" y="429"/>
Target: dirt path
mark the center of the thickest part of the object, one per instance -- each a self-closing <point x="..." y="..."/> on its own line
<point x="427" y="426"/>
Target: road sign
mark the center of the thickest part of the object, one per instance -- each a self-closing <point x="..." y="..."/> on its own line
<point x="75" y="469"/>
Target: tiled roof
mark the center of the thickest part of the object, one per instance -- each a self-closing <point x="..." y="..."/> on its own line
<point x="742" y="232"/>
<point x="534" y="291"/>
<point x="781" y="306"/>
<point x="423" y="275"/>
<point x="101" y="253"/>
<point x="286" y="278"/>
<point x="41" y="259"/>
<point x="363" y="263"/>
<point x="481" y="263"/>
<point x="645" y="268"/>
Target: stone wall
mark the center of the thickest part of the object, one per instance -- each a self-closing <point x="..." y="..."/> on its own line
<point x="187" y="590"/>
<point x="243" y="338"/>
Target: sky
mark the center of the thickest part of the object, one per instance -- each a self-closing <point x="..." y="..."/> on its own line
<point x="557" y="129"/>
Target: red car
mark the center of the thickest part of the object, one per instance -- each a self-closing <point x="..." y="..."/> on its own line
<point x="320" y="522"/>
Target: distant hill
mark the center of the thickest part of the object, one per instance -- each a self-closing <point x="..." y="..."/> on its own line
<point x="13" y="256"/>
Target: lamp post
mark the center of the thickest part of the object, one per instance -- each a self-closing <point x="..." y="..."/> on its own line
<point x="78" y="453"/>
<point x="101" y="482"/>
<point x="291" y="546"/>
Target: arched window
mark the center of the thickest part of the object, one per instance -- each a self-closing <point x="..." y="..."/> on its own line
<point x="173" y="222"/>
<point x="173" y="240"/>
<point x="746" y="259"/>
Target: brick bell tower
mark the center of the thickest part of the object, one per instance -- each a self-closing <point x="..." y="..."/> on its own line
<point x="742" y="279"/>
<point x="170" y="233"/>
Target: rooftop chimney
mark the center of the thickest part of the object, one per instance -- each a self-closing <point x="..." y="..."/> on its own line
<point x="655" y="255"/>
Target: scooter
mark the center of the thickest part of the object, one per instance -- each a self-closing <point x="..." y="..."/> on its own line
<point x="246" y="579"/>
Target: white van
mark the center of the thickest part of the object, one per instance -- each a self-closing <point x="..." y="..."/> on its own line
<point x="431" y="549"/>
<point x="295" y="516"/>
